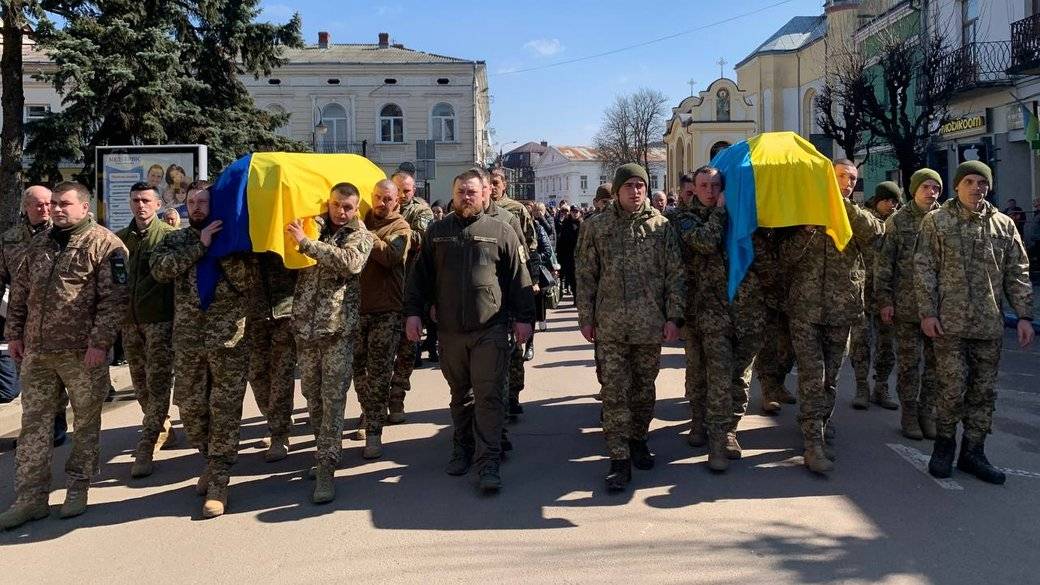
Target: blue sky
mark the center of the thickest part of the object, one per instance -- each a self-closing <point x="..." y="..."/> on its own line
<point x="561" y="104"/>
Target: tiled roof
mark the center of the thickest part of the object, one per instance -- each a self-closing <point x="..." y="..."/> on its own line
<point x="535" y="147"/>
<point x="579" y="153"/>
<point x="365" y="53"/>
<point x="799" y="32"/>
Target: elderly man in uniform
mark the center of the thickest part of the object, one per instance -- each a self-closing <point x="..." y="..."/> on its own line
<point x="67" y="301"/>
<point x="969" y="257"/>
<point x="36" y="217"/>
<point x="148" y="326"/>
<point x="871" y="342"/>
<point x="631" y="297"/>
<point x="472" y="270"/>
<point x="272" y="361"/>
<point x="379" y="330"/>
<point x="824" y="300"/>
<point x="419" y="216"/>
<point x="210" y="348"/>
<point x="896" y="298"/>
<point x="325" y="315"/>
<point x="499" y="185"/>
<point x="727" y="334"/>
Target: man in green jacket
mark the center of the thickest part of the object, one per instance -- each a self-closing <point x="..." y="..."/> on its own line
<point x="148" y="327"/>
<point x="631" y="296"/>
<point x="969" y="257"/>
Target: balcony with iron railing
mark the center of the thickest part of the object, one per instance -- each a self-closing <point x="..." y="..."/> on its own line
<point x="327" y="146"/>
<point x="1025" y="46"/>
<point x="976" y="66"/>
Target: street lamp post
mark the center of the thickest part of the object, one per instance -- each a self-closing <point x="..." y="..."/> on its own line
<point x="320" y="129"/>
<point x="498" y="163"/>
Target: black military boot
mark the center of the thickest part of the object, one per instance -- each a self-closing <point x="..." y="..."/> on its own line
<point x="461" y="459"/>
<point x="620" y="474"/>
<point x="490" y="480"/>
<point x="941" y="463"/>
<point x="973" y="460"/>
<point x="642" y="458"/>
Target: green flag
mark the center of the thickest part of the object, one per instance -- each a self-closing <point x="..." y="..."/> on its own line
<point x="1032" y="127"/>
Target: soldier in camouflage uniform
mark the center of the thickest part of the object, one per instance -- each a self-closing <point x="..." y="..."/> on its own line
<point x="776" y="358"/>
<point x="472" y="271"/>
<point x="727" y="333"/>
<point x="897" y="302"/>
<point x="325" y="315"/>
<point x="631" y="296"/>
<point x="36" y="207"/>
<point x="969" y="256"/>
<point x="67" y="301"/>
<point x="418" y="215"/>
<point x="272" y="345"/>
<point x="378" y="334"/>
<point x="211" y="352"/>
<point x="824" y="300"/>
<point x="148" y="326"/>
<point x="872" y="340"/>
<point x="499" y="185"/>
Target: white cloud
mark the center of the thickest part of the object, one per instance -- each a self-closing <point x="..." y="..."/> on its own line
<point x="544" y="47"/>
<point x="383" y="11"/>
<point x="277" y="12"/>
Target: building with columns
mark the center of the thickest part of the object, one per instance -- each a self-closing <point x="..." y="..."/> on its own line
<point x="572" y="174"/>
<point x="703" y="124"/>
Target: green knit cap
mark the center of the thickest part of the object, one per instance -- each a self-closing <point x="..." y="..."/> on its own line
<point x="626" y="172"/>
<point x="921" y="176"/>
<point x="602" y="192"/>
<point x="887" y="190"/>
<point x="972" y="167"/>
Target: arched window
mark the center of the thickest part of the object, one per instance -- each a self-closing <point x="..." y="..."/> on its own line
<point x="680" y="158"/>
<point x="717" y="148"/>
<point x="722" y="105"/>
<point x="442" y="123"/>
<point x="391" y="124"/>
<point x="278" y="110"/>
<point x="809" y="113"/>
<point x="334" y="116"/>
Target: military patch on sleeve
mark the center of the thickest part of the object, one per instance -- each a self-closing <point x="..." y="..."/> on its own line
<point x="686" y="223"/>
<point x="118" y="262"/>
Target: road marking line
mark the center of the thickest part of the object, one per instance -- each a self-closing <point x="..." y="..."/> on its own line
<point x="1021" y="472"/>
<point x="920" y="462"/>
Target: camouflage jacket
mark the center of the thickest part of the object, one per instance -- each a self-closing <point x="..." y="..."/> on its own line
<point x="870" y="253"/>
<point x="528" y="237"/>
<point x="13" y="244"/>
<point x="328" y="294"/>
<point x="419" y="216"/>
<point x="223" y="324"/>
<point x="825" y="284"/>
<point x="71" y="297"/>
<point x="277" y="284"/>
<point x="150" y="301"/>
<point x="701" y="230"/>
<point x="630" y="275"/>
<point x="382" y="280"/>
<point x="768" y="267"/>
<point x="894" y="271"/>
<point x="965" y="263"/>
<point x="499" y="213"/>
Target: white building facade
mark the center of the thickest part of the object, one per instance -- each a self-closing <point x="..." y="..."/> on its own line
<point x="572" y="174"/>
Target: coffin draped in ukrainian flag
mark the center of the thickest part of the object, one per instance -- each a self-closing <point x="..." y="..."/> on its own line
<point x="777" y="179"/>
<point x="259" y="194"/>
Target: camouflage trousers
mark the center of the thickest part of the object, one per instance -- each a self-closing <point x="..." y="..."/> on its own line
<point x="209" y="389"/>
<point x="326" y="367"/>
<point x="727" y="362"/>
<point x="967" y="373"/>
<point x="476" y="367"/>
<point x="912" y="384"/>
<point x="376" y="340"/>
<point x="872" y="342"/>
<point x="629" y="393"/>
<point x="776" y="357"/>
<point x="695" y="376"/>
<point x="516" y="370"/>
<point x="404" y="365"/>
<point x="43" y="375"/>
<point x="272" y="369"/>
<point x="819" y="351"/>
<point x="149" y="353"/>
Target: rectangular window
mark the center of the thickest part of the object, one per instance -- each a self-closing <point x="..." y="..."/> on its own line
<point x="391" y="129"/>
<point x="653" y="182"/>
<point x="969" y="18"/>
<point x="584" y="182"/>
<point x="36" y="113"/>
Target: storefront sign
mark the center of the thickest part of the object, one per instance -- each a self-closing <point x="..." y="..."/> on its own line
<point x="964" y="126"/>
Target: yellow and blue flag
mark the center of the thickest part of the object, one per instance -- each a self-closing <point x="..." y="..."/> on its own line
<point x="777" y="179"/>
<point x="259" y="194"/>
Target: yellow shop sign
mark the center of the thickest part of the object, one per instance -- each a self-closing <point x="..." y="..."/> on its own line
<point x="966" y="125"/>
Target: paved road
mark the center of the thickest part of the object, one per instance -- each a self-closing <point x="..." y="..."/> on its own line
<point x="877" y="519"/>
